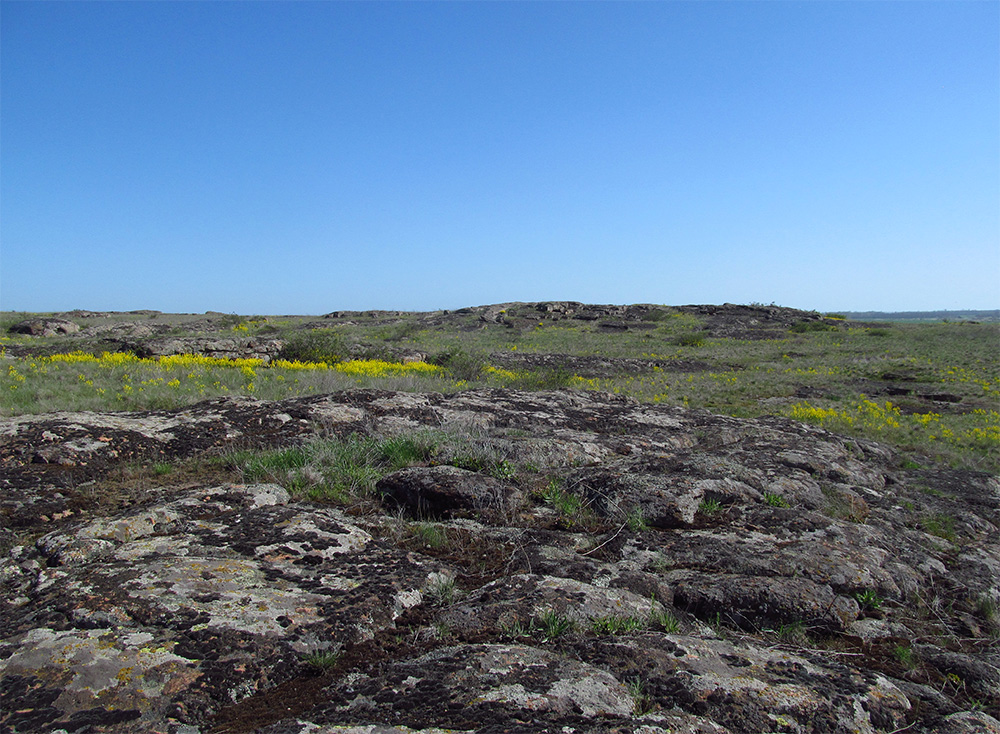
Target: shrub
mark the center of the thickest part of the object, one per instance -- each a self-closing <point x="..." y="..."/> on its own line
<point x="461" y="364"/>
<point x="695" y="339"/>
<point x="315" y="345"/>
<point x="803" y="327"/>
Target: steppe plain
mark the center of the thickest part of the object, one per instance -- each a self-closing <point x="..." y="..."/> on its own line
<point x="520" y="517"/>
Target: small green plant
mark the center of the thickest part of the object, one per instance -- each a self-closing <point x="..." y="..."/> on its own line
<point x="322" y="660"/>
<point x="664" y="619"/>
<point x="502" y="469"/>
<point x="161" y="468"/>
<point x="516" y="629"/>
<point x="775" y="500"/>
<point x="869" y="600"/>
<point x="635" y="519"/>
<point x="441" y="630"/>
<point x="615" y="625"/>
<point x="637" y="690"/>
<point x="551" y="625"/>
<point x="569" y="506"/>
<point x="441" y="590"/>
<point x="710" y="507"/>
<point x="429" y="534"/>
<point x="943" y="526"/>
<point x="905" y="655"/>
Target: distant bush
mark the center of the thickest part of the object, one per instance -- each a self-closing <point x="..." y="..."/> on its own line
<point x="546" y="379"/>
<point x="461" y="364"/>
<point x="692" y="339"/>
<point x="315" y="345"/>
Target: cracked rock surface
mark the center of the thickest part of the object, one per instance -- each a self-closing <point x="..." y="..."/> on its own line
<point x="635" y="568"/>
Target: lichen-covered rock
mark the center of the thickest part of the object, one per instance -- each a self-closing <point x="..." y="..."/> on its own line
<point x="191" y="604"/>
<point x="645" y="569"/>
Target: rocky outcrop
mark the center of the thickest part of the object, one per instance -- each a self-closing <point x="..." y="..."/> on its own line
<point x="219" y="348"/>
<point x="634" y="568"/>
<point x="45" y="327"/>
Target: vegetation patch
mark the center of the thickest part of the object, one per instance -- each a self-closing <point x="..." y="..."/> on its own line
<point x="930" y="389"/>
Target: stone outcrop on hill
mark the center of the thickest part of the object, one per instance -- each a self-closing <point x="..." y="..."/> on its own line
<point x="45" y="327"/>
<point x="644" y="569"/>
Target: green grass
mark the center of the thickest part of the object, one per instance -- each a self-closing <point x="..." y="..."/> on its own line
<point x="572" y="510"/>
<point x="616" y="625"/>
<point x="710" y="507"/>
<point x="322" y="660"/>
<point x="906" y="656"/>
<point x="339" y="470"/>
<point x="640" y="696"/>
<point x="552" y="625"/>
<point x="635" y="519"/>
<point x="775" y="500"/>
<point x="840" y="368"/>
<point x="941" y="525"/>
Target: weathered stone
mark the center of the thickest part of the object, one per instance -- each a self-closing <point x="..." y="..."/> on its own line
<point x="448" y="491"/>
<point x="44" y="327"/>
<point x="188" y="608"/>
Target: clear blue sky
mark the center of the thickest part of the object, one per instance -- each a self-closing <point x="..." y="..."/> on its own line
<point x="302" y="157"/>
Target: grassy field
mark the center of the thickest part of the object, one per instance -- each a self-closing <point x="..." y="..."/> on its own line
<point x="932" y="390"/>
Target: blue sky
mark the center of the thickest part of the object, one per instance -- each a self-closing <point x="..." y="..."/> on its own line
<point x="303" y="157"/>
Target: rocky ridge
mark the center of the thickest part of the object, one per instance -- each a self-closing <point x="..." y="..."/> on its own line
<point x="718" y="575"/>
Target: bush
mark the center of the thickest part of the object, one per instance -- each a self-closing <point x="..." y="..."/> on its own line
<point x="316" y="345"/>
<point x="693" y="339"/>
<point x="461" y="364"/>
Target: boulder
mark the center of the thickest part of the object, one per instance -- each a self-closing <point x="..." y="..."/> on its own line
<point x="45" y="327"/>
<point x="448" y="491"/>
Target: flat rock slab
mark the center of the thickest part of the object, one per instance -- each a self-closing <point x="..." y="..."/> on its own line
<point x="180" y="608"/>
